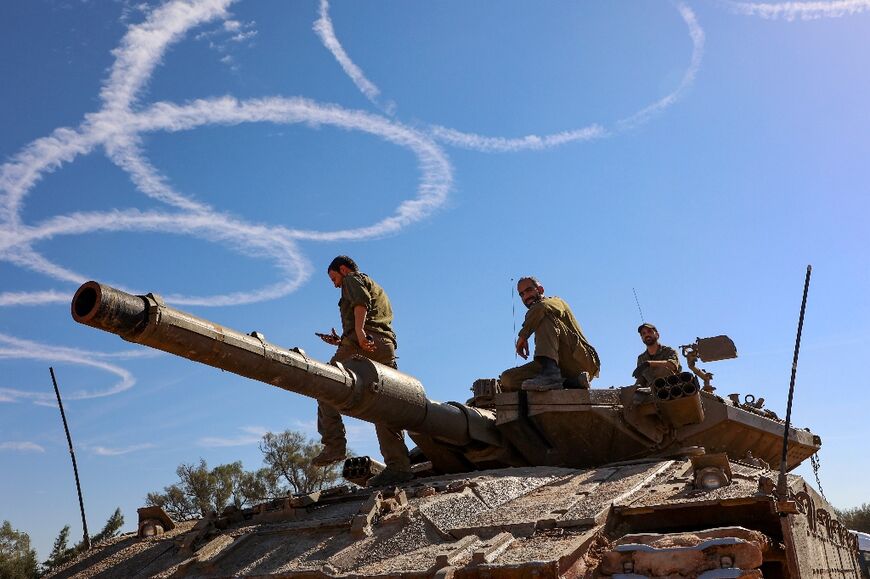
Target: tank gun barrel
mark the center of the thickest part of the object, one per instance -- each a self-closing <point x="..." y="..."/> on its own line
<point x="360" y="387"/>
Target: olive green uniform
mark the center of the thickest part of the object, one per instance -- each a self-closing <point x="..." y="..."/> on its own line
<point x="359" y="289"/>
<point x="559" y="337"/>
<point x="646" y="376"/>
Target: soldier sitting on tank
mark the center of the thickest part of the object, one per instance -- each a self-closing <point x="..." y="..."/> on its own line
<point x="563" y="356"/>
<point x="366" y="322"/>
<point x="657" y="361"/>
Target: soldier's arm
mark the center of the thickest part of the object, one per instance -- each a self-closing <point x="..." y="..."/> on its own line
<point x="673" y="360"/>
<point x="359" y="321"/>
<point x="533" y="318"/>
<point x="639" y="368"/>
<point x="360" y="299"/>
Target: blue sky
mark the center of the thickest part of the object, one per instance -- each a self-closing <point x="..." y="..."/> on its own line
<point x="700" y="153"/>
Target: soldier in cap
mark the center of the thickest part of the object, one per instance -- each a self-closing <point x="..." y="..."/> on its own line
<point x="563" y="355"/>
<point x="657" y="361"/>
<point x="366" y="322"/>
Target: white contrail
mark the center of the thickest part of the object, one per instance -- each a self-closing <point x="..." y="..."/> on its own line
<point x="20" y="349"/>
<point x="42" y="156"/>
<point x="124" y="152"/>
<point x="324" y="29"/>
<point x="108" y="451"/>
<point x="802" y="10"/>
<point x="251" y="240"/>
<point x="22" y="255"/>
<point x="74" y="353"/>
<point x="33" y="298"/>
<point x="118" y="129"/>
<point x="697" y="35"/>
<point x="252" y="435"/>
<point x="143" y="46"/>
<point x="513" y="144"/>
<point x="488" y="144"/>
<point x="435" y="182"/>
<point x="25" y="446"/>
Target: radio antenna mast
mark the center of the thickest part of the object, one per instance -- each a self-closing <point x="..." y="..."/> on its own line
<point x="637" y="301"/>
<point x="87" y="539"/>
<point x="782" y="483"/>
<point x="514" y="315"/>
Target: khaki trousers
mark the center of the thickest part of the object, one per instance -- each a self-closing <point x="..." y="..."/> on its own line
<point x="553" y="340"/>
<point x="329" y="423"/>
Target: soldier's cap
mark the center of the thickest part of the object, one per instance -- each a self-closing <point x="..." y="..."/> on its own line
<point x="647" y="325"/>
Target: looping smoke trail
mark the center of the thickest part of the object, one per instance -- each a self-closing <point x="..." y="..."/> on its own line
<point x="803" y="10"/>
<point x="325" y="30"/>
<point x="117" y="127"/>
<point x="16" y="348"/>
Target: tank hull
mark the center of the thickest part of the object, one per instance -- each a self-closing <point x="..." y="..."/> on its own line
<point x="522" y="522"/>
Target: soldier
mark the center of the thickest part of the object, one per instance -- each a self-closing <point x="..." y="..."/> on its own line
<point x="563" y="355"/>
<point x="366" y="322"/>
<point x="657" y="361"/>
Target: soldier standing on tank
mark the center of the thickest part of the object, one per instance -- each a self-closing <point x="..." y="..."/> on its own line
<point x="657" y="361"/>
<point x="366" y="322"/>
<point x="563" y="355"/>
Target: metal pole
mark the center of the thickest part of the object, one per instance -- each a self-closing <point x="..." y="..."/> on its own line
<point x="782" y="483"/>
<point x="87" y="539"/>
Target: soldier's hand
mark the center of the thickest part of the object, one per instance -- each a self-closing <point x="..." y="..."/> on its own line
<point x="638" y="372"/>
<point x="366" y="342"/>
<point x="332" y="339"/>
<point x="523" y="347"/>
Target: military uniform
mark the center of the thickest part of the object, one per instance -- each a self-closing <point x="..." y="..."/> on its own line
<point x="359" y="289"/>
<point x="557" y="336"/>
<point x="648" y="374"/>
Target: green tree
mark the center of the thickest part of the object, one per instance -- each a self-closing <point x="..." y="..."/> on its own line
<point x="288" y="454"/>
<point x="261" y="485"/>
<point x="228" y="488"/>
<point x="200" y="490"/>
<point x="287" y="469"/>
<point x="111" y="528"/>
<point x="62" y="553"/>
<point x="17" y="557"/>
<point x="856" y="518"/>
<point x="174" y="501"/>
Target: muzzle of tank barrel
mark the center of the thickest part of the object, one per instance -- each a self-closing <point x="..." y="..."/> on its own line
<point x="678" y="400"/>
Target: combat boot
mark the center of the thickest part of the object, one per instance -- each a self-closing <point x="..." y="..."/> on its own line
<point x="329" y="455"/>
<point x="550" y="377"/>
<point x="390" y="476"/>
<point x="581" y="381"/>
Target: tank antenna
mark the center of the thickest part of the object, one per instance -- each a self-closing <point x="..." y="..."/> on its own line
<point x="782" y="483"/>
<point x="87" y="539"/>
<point x="637" y="301"/>
<point x="514" y="315"/>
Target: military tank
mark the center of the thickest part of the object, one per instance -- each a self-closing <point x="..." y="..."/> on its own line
<point x="661" y="481"/>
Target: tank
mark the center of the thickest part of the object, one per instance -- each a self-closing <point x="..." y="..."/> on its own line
<point x="665" y="481"/>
